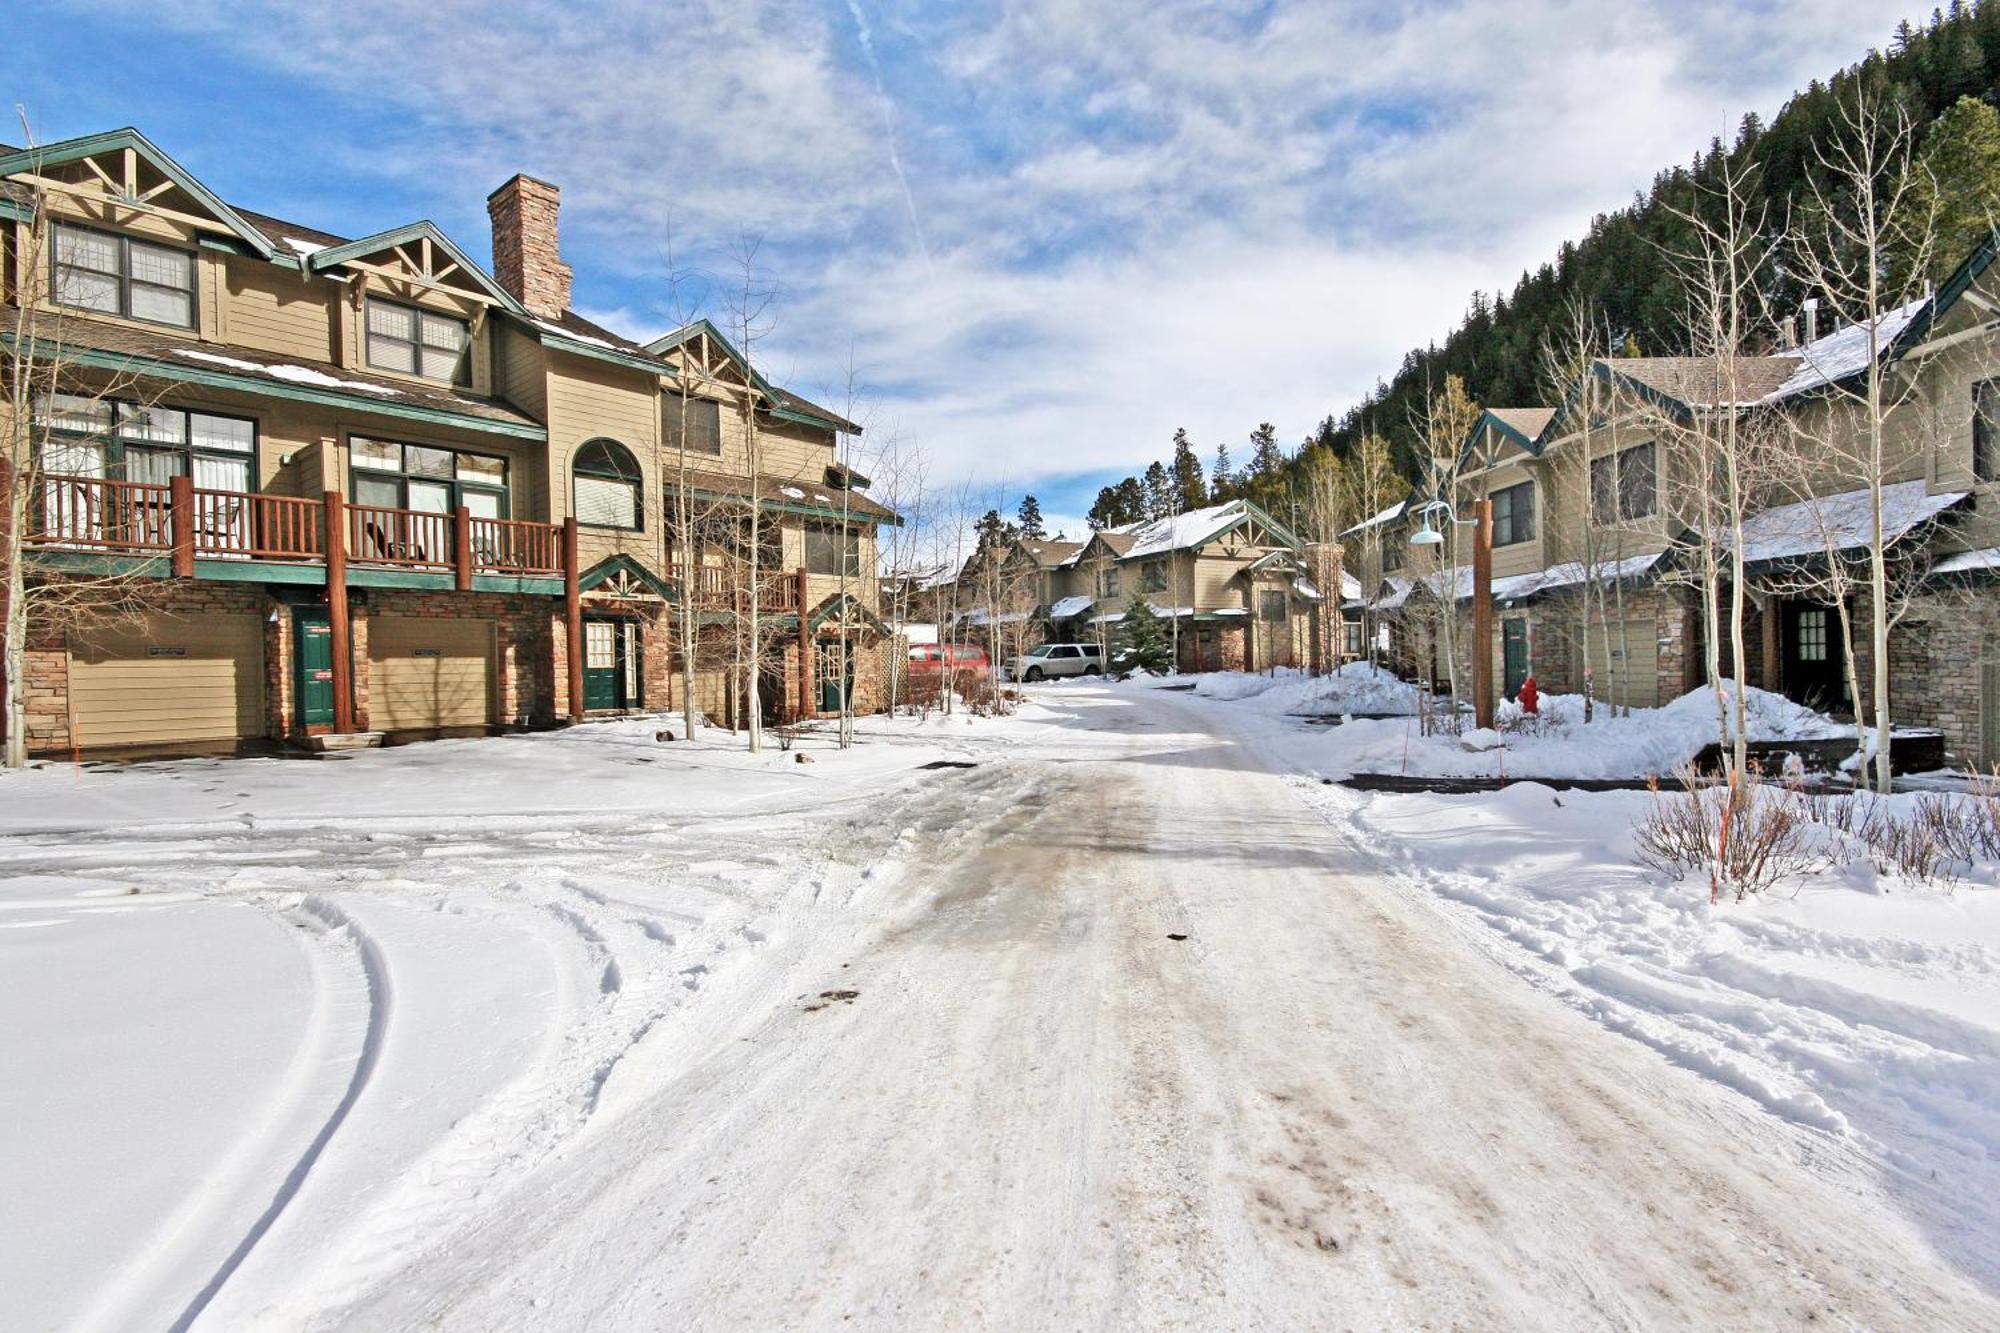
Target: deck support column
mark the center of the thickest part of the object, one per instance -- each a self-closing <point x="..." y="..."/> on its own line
<point x="461" y="548"/>
<point x="573" y="618"/>
<point x="805" y="651"/>
<point x="336" y="613"/>
<point x="180" y="495"/>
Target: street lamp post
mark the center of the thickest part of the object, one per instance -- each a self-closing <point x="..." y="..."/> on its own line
<point x="1481" y="524"/>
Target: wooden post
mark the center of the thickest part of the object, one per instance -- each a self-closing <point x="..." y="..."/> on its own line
<point x="461" y="547"/>
<point x="1482" y="612"/>
<point x="573" y="615"/>
<point x="180" y="491"/>
<point x="806" y="708"/>
<point x="336" y="613"/>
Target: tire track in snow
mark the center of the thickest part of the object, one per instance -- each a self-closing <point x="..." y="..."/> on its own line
<point x="335" y="923"/>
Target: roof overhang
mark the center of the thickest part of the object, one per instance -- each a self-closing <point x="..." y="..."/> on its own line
<point x="333" y="256"/>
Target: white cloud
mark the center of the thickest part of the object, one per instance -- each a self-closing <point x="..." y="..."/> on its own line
<point x="1139" y="216"/>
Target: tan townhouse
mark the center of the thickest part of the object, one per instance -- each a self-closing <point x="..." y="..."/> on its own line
<point x="1597" y="501"/>
<point x="289" y="486"/>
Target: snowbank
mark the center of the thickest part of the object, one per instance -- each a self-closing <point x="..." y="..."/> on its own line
<point x="1556" y="743"/>
<point x="1851" y="1004"/>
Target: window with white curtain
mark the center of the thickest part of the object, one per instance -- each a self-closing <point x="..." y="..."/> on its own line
<point x="122" y="275"/>
<point x="607" y="486"/>
<point x="422" y="342"/>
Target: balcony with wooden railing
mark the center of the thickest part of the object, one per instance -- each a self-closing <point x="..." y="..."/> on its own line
<point x="721" y="588"/>
<point x="185" y="523"/>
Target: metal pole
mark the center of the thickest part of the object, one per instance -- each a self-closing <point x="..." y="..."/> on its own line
<point x="1482" y="612"/>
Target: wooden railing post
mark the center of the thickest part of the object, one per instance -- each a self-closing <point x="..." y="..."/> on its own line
<point x="573" y="616"/>
<point x="806" y="708"/>
<point x="461" y="547"/>
<point x="336" y="613"/>
<point x="180" y="491"/>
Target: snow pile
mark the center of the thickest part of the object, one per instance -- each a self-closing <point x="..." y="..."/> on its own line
<point x="1556" y="744"/>
<point x="1851" y="1004"/>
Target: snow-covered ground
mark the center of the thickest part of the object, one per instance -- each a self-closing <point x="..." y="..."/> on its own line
<point x="1135" y="1024"/>
<point x="1858" y="1004"/>
<point x="269" y="1023"/>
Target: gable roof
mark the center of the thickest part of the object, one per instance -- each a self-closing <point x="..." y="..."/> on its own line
<point x="90" y="145"/>
<point x="1698" y="382"/>
<point x="1524" y="425"/>
<point x="333" y="256"/>
<point x="1182" y="532"/>
<point x="785" y="404"/>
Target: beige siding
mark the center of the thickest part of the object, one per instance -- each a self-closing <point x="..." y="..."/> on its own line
<point x="427" y="673"/>
<point x="1624" y="663"/>
<point x="280" y="312"/>
<point x="171" y="680"/>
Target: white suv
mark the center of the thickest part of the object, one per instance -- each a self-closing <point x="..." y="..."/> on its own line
<point x="1057" y="659"/>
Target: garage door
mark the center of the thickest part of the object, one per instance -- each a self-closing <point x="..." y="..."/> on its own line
<point x="1624" y="662"/>
<point x="169" y="680"/>
<point x="429" y="675"/>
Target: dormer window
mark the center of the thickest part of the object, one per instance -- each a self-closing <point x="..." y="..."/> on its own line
<point x="123" y="276"/>
<point x="412" y="341"/>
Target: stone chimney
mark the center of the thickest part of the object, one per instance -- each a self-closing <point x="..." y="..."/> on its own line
<point x="525" y="255"/>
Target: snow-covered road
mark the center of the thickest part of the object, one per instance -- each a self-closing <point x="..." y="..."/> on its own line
<point x="1115" y="1029"/>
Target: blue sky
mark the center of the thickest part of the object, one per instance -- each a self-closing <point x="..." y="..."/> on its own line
<point x="1037" y="237"/>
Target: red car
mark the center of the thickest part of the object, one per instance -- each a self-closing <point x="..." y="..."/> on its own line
<point x="928" y="657"/>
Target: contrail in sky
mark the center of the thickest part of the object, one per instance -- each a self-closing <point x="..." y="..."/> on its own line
<point x="867" y="40"/>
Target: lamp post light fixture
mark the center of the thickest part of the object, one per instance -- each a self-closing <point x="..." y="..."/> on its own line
<point x="1481" y="523"/>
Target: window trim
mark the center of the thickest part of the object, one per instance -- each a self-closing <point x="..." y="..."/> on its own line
<point x="671" y="422"/>
<point x="124" y="275"/>
<point x="461" y="380"/>
<point x="1987" y="424"/>
<point x="637" y="481"/>
<point x="849" y="538"/>
<point x="1514" y="537"/>
<point x="115" y="442"/>
<point x="403" y="475"/>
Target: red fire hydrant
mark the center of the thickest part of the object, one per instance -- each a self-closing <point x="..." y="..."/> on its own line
<point x="1531" y="701"/>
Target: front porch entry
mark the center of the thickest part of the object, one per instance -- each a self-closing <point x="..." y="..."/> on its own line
<point x="1815" y="668"/>
<point x="611" y="663"/>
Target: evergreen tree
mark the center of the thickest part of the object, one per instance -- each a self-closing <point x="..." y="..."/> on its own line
<point x="1029" y="518"/>
<point x="1186" y="469"/>
<point x="1221" y="481"/>
<point x="1131" y="502"/>
<point x="1145" y="635"/>
<point x="1103" y="511"/>
<point x="1266" y="459"/>
<point x="1159" y="491"/>
<point x="1960" y="181"/>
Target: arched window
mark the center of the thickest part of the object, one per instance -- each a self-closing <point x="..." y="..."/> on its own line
<point x="607" y="486"/>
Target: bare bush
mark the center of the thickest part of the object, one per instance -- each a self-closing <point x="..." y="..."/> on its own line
<point x="1747" y="836"/>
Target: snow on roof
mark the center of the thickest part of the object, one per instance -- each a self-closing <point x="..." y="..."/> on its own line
<point x="303" y="249"/>
<point x="1840" y="522"/>
<point x="978" y="616"/>
<point x="1389" y="515"/>
<point x="1070" y="606"/>
<point x="1966" y="562"/>
<point x="1350" y="587"/>
<point x="577" y="337"/>
<point x="1168" y="612"/>
<point x="1399" y="591"/>
<point x="1182" y="531"/>
<point x="1843" y="352"/>
<point x="292" y="374"/>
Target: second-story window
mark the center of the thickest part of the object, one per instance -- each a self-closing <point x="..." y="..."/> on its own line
<point x="832" y="549"/>
<point x="1986" y="430"/>
<point x="1392" y="551"/>
<point x="1514" y="514"/>
<point x="124" y="276"/>
<point x="1153" y="576"/>
<point x="1110" y="582"/>
<point x="419" y="342"/>
<point x="428" y="480"/>
<point x="607" y="486"/>
<point x="1624" y="485"/>
<point x="692" y="425"/>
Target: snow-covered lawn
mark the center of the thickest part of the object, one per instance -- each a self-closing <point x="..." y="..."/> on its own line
<point x="1863" y="1006"/>
<point x="410" y="975"/>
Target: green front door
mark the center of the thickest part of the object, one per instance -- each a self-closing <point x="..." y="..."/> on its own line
<point x="601" y="687"/>
<point x="835" y="675"/>
<point x="1514" y="655"/>
<point x="313" y="633"/>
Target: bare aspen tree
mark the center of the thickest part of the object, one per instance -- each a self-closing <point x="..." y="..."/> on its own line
<point x="44" y="392"/>
<point x="749" y="312"/>
<point x="1373" y="486"/>
<point x="1441" y="428"/>
<point x="900" y="473"/>
<point x="1728" y="245"/>
<point x="1866" y="209"/>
